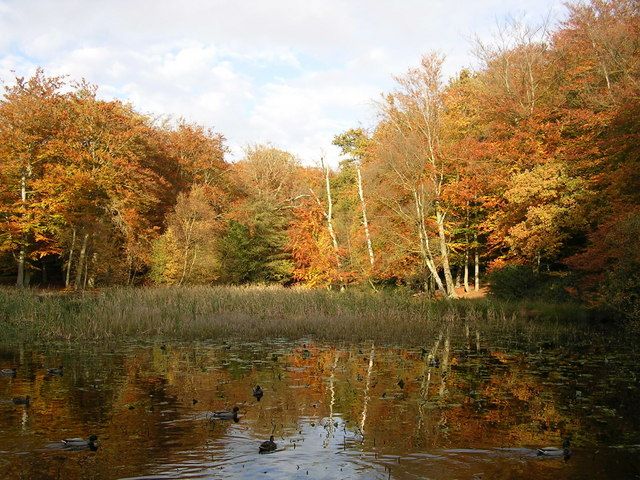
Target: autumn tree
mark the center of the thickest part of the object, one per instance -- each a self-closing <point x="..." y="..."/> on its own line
<point x="254" y="248"/>
<point x="90" y="181"/>
<point x="187" y="251"/>
<point x="353" y="143"/>
<point x="32" y="115"/>
<point x="411" y="145"/>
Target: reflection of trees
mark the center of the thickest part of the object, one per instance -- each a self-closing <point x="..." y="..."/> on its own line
<point x="428" y="367"/>
<point x="444" y="364"/>
<point x="429" y="362"/>
<point x="330" y="427"/>
<point x="504" y="400"/>
<point x="365" y="401"/>
<point x="482" y="398"/>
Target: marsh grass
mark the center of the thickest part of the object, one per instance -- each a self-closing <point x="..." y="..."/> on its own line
<point x="254" y="313"/>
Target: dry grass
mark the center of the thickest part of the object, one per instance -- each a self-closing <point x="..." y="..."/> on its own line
<point x="259" y="312"/>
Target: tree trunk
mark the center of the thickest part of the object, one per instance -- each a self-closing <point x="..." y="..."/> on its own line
<point x="477" y="263"/>
<point x="68" y="274"/>
<point x="81" y="262"/>
<point x="21" y="257"/>
<point x="477" y="270"/>
<point x="329" y="214"/>
<point x="466" y="335"/>
<point x="193" y="259"/>
<point x="444" y="253"/>
<point x="466" y="252"/>
<point x="466" y="270"/>
<point x="92" y="277"/>
<point x="86" y="273"/>
<point x="425" y="248"/>
<point x="187" y="244"/>
<point x="23" y="252"/>
<point x="129" y="269"/>
<point x="364" y="216"/>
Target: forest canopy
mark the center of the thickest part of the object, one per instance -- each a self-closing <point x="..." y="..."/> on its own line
<point x="525" y="168"/>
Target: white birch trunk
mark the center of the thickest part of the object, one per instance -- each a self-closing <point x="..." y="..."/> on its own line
<point x="23" y="252"/>
<point x="424" y="242"/>
<point x="364" y="216"/>
<point x="86" y="273"/>
<point x="329" y="213"/>
<point x="92" y="278"/>
<point x="477" y="264"/>
<point x="81" y="261"/>
<point x="466" y="270"/>
<point x="187" y="243"/>
<point x="444" y="253"/>
<point x="67" y="278"/>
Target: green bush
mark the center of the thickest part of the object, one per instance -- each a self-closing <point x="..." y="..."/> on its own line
<point x="513" y="282"/>
<point x="517" y="282"/>
<point x="621" y="287"/>
<point x="621" y="291"/>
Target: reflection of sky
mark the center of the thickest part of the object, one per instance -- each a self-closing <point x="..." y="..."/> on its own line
<point x="500" y="405"/>
<point x="290" y="72"/>
<point x="317" y="454"/>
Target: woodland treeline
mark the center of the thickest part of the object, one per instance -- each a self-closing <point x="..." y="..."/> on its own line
<point x="525" y="168"/>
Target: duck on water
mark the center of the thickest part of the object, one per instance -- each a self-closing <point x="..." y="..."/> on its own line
<point x="56" y="371"/>
<point x="226" y="415"/>
<point x="22" y="400"/>
<point x="258" y="392"/>
<point x="80" y="443"/>
<point x="268" y="446"/>
<point x="556" y="452"/>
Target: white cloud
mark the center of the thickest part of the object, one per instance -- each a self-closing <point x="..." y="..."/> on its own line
<point x="290" y="72"/>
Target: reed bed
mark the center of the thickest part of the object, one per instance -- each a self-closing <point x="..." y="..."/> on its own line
<point x="257" y="312"/>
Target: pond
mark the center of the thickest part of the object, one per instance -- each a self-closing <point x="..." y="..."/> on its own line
<point x="460" y="407"/>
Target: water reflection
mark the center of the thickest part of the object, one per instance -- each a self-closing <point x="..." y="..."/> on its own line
<point x="450" y="409"/>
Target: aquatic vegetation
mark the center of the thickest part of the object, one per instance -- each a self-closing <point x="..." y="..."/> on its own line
<point x="260" y="312"/>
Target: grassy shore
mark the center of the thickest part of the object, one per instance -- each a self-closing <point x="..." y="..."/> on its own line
<point x="253" y="313"/>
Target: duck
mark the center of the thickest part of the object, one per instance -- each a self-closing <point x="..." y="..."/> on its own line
<point x="258" y="392"/>
<point x="225" y="415"/>
<point x="56" y="370"/>
<point x="22" y="400"/>
<point x="268" y="446"/>
<point x="8" y="372"/>
<point x="556" y="452"/>
<point x="81" y="443"/>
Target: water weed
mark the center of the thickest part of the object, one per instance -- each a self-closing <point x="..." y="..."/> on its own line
<point x="259" y="311"/>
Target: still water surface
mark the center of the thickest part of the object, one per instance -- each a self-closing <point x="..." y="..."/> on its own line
<point x="458" y="408"/>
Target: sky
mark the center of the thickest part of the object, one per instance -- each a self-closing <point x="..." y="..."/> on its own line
<point x="292" y="73"/>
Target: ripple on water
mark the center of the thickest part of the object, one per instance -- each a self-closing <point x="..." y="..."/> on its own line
<point x="335" y="412"/>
